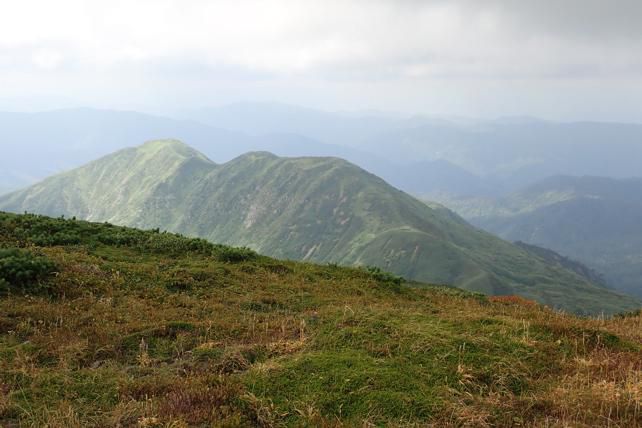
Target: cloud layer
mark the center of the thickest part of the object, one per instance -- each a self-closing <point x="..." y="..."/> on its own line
<point x="86" y="47"/>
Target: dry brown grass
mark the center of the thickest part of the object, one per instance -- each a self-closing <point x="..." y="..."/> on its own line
<point x="278" y="343"/>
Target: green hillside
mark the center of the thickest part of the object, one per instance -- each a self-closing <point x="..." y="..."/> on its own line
<point x="592" y="219"/>
<point x="315" y="209"/>
<point x="105" y="326"/>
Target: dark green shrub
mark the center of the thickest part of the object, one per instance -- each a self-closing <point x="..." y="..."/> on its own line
<point x="56" y="238"/>
<point x="22" y="269"/>
<point x="45" y="232"/>
<point x="234" y="254"/>
<point x="172" y="243"/>
<point x="383" y="276"/>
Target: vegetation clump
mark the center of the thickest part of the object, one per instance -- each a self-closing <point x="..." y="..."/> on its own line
<point x="234" y="254"/>
<point x="32" y="229"/>
<point x="21" y="269"/>
<point x="384" y="277"/>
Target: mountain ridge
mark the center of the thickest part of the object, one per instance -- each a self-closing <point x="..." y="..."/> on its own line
<point x="595" y="220"/>
<point x="317" y="209"/>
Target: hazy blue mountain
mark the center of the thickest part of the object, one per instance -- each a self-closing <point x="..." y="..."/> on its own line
<point x="434" y="158"/>
<point x="314" y="208"/>
<point x="510" y="154"/>
<point x="595" y="220"/>
<point x="266" y="118"/>
<point x="494" y="157"/>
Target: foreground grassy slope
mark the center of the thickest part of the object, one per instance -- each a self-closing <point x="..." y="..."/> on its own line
<point x="314" y="209"/>
<point x="151" y="329"/>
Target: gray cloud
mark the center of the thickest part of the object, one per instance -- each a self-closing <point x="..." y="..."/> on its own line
<point x="285" y="49"/>
<point x="595" y="20"/>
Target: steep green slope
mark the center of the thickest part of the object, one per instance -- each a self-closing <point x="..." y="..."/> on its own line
<point x="116" y="187"/>
<point x="554" y="258"/>
<point x="123" y="327"/>
<point x="594" y="220"/>
<point x="317" y="209"/>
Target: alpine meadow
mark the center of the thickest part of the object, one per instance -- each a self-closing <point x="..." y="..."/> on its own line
<point x="327" y="214"/>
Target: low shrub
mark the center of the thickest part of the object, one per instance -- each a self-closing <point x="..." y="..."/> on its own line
<point x="234" y="254"/>
<point x="383" y="276"/>
<point x="23" y="269"/>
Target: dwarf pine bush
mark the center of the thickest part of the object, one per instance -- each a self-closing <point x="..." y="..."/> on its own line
<point x="234" y="254"/>
<point x="383" y="276"/>
<point x="23" y="269"/>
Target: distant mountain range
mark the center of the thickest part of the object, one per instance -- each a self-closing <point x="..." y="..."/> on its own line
<point x="595" y="220"/>
<point x="425" y="156"/>
<point x="316" y="209"/>
<point x="489" y="157"/>
<point x="38" y="145"/>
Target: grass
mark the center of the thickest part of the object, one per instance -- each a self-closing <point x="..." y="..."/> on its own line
<point x="128" y="334"/>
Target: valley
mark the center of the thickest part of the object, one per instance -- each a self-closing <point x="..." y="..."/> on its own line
<point x="595" y="220"/>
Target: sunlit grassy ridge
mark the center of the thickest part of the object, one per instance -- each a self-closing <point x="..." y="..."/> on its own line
<point x="314" y="209"/>
<point x="152" y="329"/>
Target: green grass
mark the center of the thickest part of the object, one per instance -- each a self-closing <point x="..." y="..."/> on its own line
<point x="131" y="332"/>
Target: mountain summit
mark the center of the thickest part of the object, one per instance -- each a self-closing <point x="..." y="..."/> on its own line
<point x="315" y="209"/>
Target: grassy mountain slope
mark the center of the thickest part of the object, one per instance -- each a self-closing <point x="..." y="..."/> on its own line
<point x="554" y="258"/>
<point x="316" y="209"/>
<point x="151" y="329"/>
<point x="594" y="220"/>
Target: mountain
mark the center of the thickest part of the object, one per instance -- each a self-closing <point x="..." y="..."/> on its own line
<point x="37" y="145"/>
<point x="430" y="157"/>
<point x="106" y="326"/>
<point x="314" y="209"/>
<point x="507" y="155"/>
<point x="554" y="258"/>
<point x="493" y="157"/>
<point x="595" y="220"/>
<point x="267" y="118"/>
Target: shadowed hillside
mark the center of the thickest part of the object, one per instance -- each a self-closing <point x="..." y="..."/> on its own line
<point x="595" y="220"/>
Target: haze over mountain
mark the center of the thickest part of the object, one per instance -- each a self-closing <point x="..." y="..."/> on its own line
<point x="595" y="220"/>
<point x="506" y="155"/>
<point x="434" y="158"/>
<point x="37" y="145"/>
<point x="316" y="209"/>
<point x="525" y="148"/>
<point x="266" y="118"/>
<point x="41" y="144"/>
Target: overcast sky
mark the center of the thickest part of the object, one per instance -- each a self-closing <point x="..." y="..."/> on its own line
<point x="563" y="59"/>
